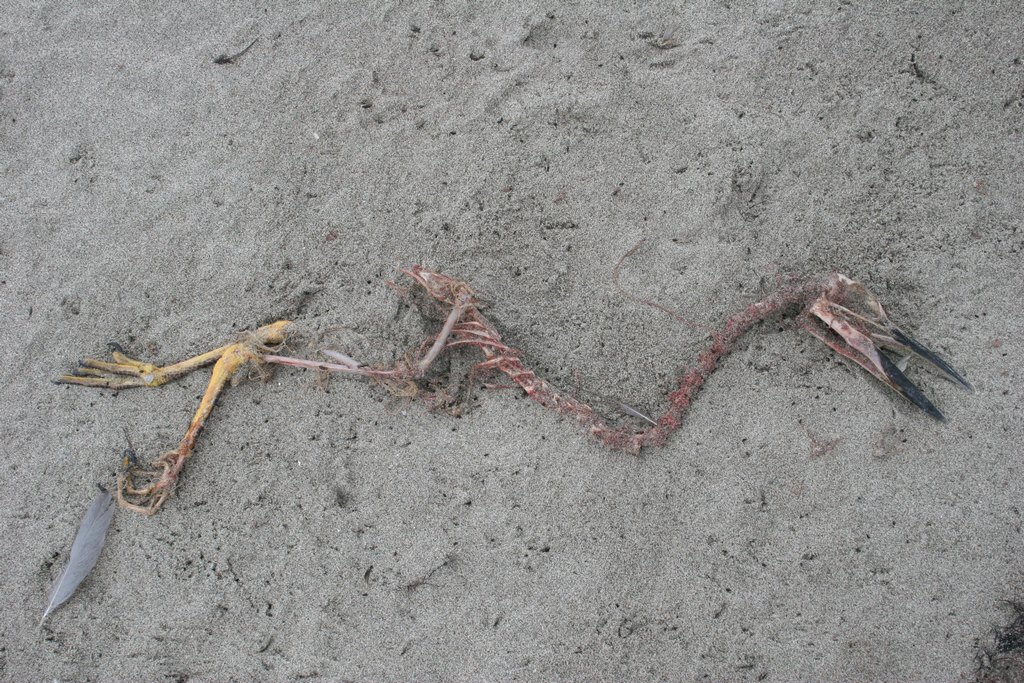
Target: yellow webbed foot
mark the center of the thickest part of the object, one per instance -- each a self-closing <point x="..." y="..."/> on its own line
<point x="123" y="372"/>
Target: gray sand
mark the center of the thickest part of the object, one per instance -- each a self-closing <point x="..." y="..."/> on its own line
<point x="152" y="197"/>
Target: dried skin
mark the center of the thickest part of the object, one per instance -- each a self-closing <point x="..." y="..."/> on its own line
<point x="840" y="312"/>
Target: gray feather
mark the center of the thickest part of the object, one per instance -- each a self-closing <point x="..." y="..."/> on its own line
<point x="633" y="412"/>
<point x="84" y="552"/>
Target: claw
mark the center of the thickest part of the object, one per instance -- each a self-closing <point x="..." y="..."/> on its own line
<point x="80" y="378"/>
<point x="86" y="371"/>
<point x="866" y="333"/>
<point x="125" y="373"/>
<point x="157" y="483"/>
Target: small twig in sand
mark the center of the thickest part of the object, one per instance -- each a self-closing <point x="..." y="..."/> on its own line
<point x="231" y="59"/>
<point x="675" y="315"/>
<point x="424" y="580"/>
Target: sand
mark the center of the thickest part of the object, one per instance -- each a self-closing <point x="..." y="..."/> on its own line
<point x="153" y="197"/>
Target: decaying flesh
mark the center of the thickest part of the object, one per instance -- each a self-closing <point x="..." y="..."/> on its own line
<point x="840" y="312"/>
<point x="849" y="319"/>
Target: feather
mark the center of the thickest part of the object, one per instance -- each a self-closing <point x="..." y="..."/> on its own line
<point x="84" y="552"/>
<point x="633" y="412"/>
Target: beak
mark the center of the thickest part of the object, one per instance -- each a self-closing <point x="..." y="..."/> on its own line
<point x="864" y="336"/>
<point x="895" y="378"/>
<point x="929" y="355"/>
